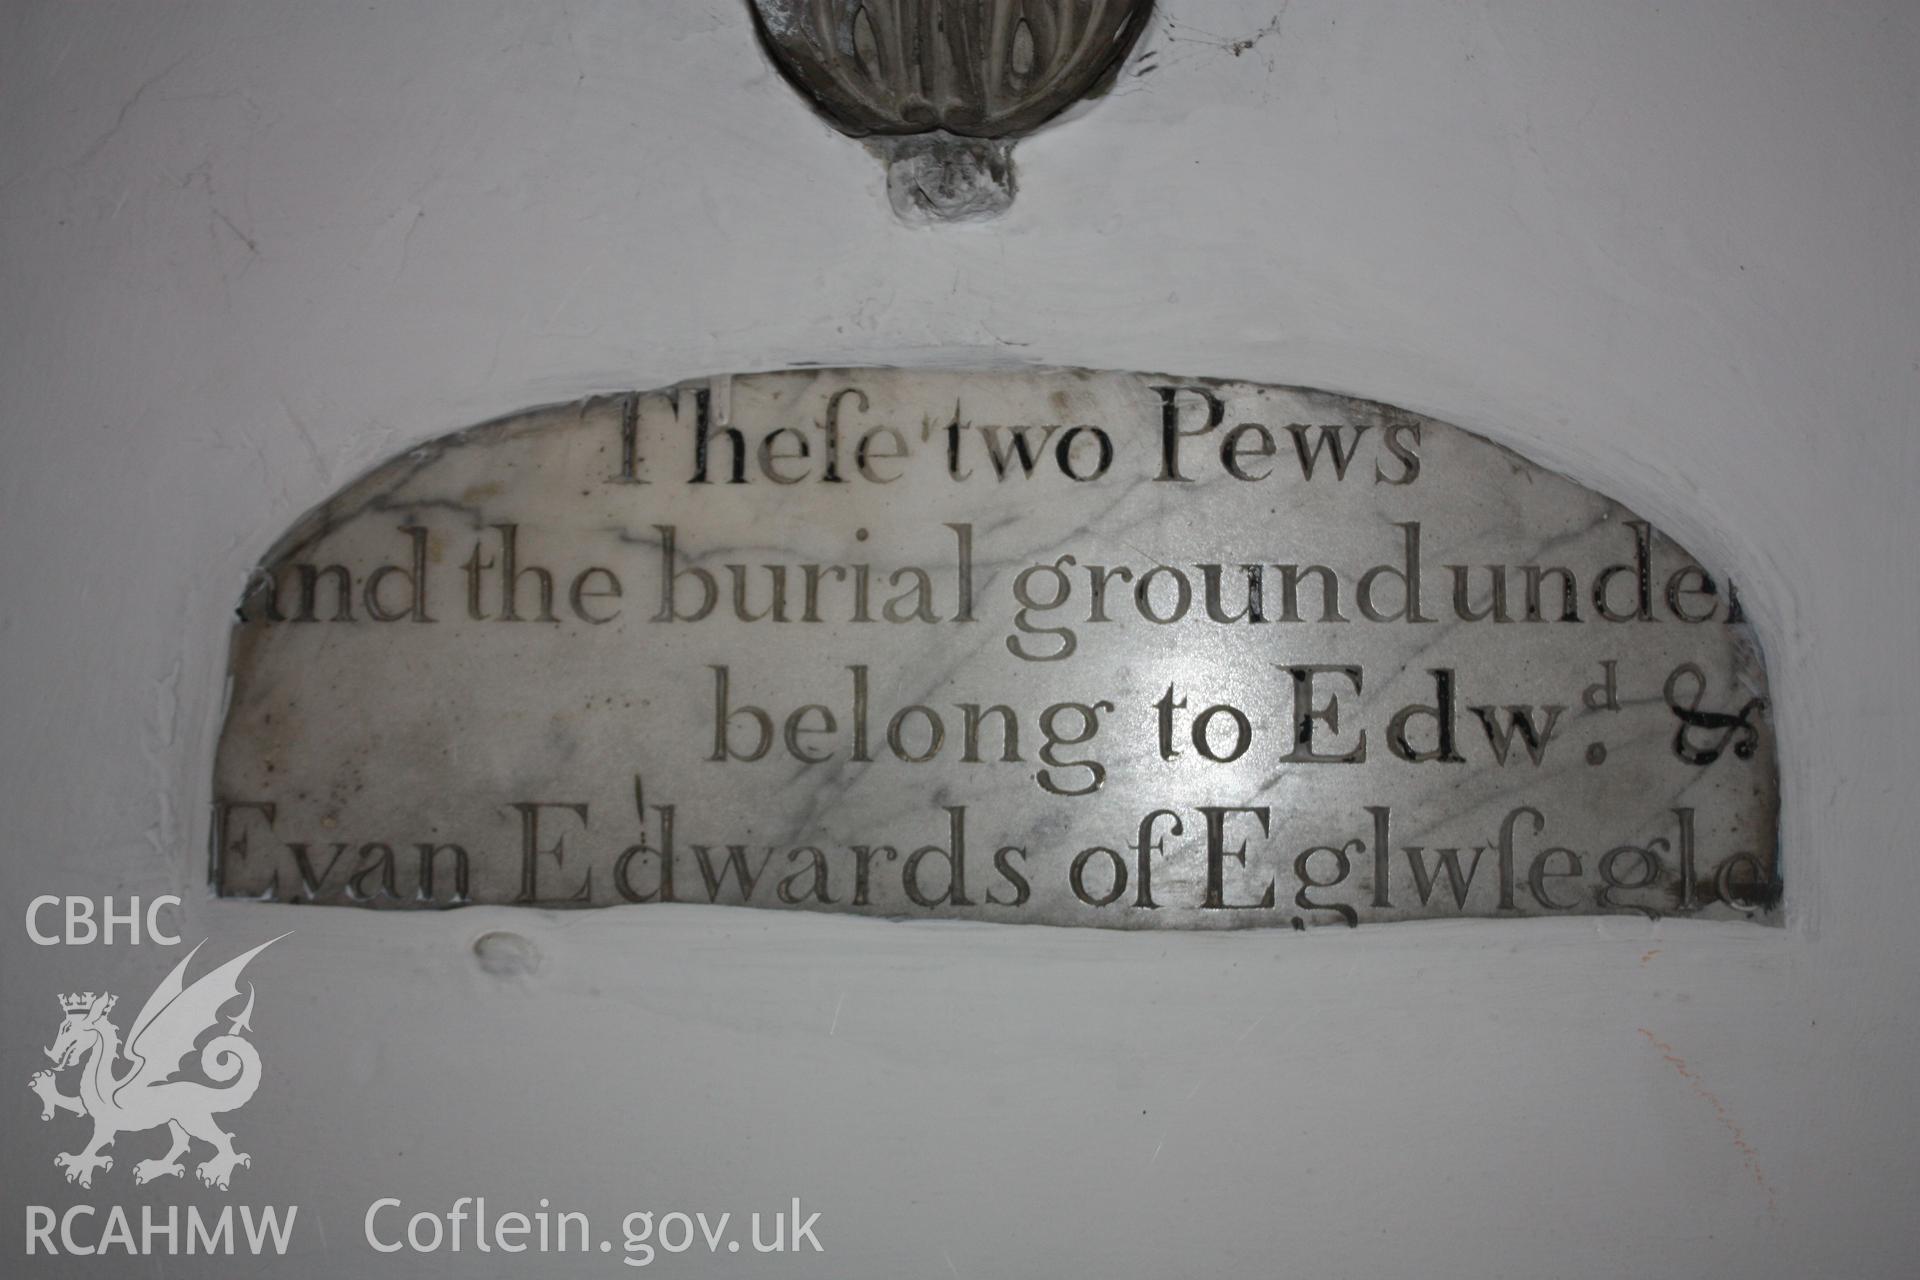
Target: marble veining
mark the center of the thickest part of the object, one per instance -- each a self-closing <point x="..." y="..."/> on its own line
<point x="1060" y="647"/>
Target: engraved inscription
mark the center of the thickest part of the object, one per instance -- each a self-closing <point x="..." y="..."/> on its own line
<point x="1051" y="647"/>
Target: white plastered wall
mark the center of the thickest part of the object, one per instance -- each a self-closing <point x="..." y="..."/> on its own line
<point x="248" y="250"/>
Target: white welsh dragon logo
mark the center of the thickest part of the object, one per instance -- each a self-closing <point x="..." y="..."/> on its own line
<point x="145" y="1095"/>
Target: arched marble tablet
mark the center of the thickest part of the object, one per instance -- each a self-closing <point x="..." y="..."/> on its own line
<point x="1061" y="647"/>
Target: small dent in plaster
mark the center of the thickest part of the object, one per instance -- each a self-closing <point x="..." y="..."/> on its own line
<point x="506" y="955"/>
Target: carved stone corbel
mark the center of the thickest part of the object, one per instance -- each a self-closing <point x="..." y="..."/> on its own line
<point x="941" y="89"/>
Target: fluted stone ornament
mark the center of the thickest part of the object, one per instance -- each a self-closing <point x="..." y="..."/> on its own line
<point x="942" y="88"/>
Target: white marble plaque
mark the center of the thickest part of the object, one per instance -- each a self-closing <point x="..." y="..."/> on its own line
<point x="1067" y="648"/>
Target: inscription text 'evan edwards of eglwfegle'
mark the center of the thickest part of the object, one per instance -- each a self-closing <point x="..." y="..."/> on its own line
<point x="1057" y="647"/>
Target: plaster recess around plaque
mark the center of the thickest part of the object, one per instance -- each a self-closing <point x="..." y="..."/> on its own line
<point x="1071" y="648"/>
